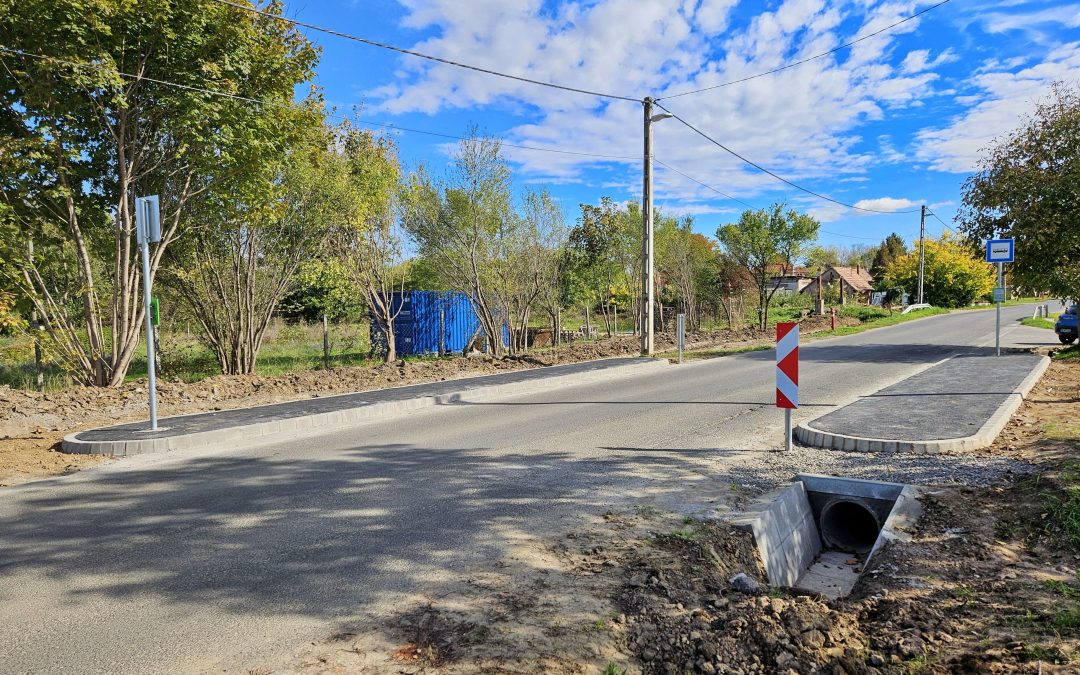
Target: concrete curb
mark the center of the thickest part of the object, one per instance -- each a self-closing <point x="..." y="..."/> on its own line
<point x="338" y="419"/>
<point x="984" y="437"/>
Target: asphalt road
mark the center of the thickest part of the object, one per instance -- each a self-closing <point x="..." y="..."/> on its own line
<point x="238" y="557"/>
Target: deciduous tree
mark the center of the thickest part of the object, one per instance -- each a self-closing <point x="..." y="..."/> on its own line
<point x="88" y="125"/>
<point x="761" y="238"/>
<point x="1028" y="188"/>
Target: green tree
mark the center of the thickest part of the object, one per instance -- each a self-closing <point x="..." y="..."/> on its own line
<point x="250" y="233"/>
<point x="322" y="287"/>
<point x="760" y="239"/>
<point x="467" y="223"/>
<point x="1028" y="188"/>
<point x="953" y="275"/>
<point x="87" y="125"/>
<point x="889" y="251"/>
<point x="369" y="240"/>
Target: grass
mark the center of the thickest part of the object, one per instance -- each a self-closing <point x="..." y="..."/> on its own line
<point x="1067" y="354"/>
<point x="686" y="533"/>
<point x="1063" y="508"/>
<point x="886" y="320"/>
<point x="1038" y="322"/>
<point x="715" y="352"/>
<point x="1061" y="588"/>
<point x="613" y="669"/>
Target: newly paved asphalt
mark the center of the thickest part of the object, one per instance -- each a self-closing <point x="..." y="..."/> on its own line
<point x="234" y="558"/>
<point x="950" y="400"/>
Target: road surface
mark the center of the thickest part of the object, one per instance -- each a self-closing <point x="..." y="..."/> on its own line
<point x="236" y="557"/>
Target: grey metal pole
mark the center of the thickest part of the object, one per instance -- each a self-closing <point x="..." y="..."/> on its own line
<point x="922" y="248"/>
<point x="149" y="335"/>
<point x="682" y="334"/>
<point x="997" y="327"/>
<point x="787" y="429"/>
<point x="647" y="238"/>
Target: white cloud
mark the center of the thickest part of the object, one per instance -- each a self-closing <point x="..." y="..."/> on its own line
<point x="886" y="204"/>
<point x="919" y="60"/>
<point x="1001" y="99"/>
<point x="1000" y="22"/>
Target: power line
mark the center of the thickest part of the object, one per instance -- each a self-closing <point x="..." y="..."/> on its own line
<point x="940" y="220"/>
<point x="704" y="185"/>
<point x="774" y="175"/>
<point x="750" y="206"/>
<point x="215" y="92"/>
<point x="383" y="45"/>
<point x="502" y="143"/>
<point x="808" y="59"/>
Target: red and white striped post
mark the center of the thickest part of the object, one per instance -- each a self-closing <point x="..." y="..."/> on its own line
<point x="787" y="373"/>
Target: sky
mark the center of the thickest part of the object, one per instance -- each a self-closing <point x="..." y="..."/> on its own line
<point x="895" y="121"/>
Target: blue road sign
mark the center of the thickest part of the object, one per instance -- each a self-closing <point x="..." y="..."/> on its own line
<point x="999" y="250"/>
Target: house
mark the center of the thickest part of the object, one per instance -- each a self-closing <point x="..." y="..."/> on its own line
<point x="856" y="284"/>
<point x="787" y="278"/>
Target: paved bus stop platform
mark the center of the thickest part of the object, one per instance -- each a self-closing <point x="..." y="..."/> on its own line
<point x="333" y="412"/>
<point x="959" y="404"/>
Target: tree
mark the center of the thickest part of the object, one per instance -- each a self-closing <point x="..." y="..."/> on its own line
<point x="322" y="288"/>
<point x="464" y="224"/>
<point x="249" y="235"/>
<point x="1028" y="188"/>
<point x="762" y="237"/>
<point x="953" y="275"/>
<point x="684" y="257"/>
<point x="888" y="252"/>
<point x="369" y="238"/>
<point x="91" y="126"/>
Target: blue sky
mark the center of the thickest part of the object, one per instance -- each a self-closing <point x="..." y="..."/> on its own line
<point x="893" y="122"/>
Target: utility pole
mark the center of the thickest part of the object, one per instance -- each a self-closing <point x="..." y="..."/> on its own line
<point x="922" y="247"/>
<point x="648" y="285"/>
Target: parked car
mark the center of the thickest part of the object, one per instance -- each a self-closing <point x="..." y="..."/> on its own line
<point x="1068" y="326"/>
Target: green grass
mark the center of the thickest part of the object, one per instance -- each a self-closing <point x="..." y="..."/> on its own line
<point x="1066" y="620"/>
<point x="886" y="320"/>
<point x="1069" y="353"/>
<point x="1063" y="507"/>
<point x="715" y="352"/>
<point x="1061" y="588"/>
<point x="613" y="669"/>
<point x="1038" y="322"/>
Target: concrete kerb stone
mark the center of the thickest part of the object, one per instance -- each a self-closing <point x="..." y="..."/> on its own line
<point x="984" y="437"/>
<point x="333" y="421"/>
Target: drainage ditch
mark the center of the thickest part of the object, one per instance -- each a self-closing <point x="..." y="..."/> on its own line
<point x="818" y="533"/>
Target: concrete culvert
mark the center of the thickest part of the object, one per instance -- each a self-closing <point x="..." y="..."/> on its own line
<point x="849" y="526"/>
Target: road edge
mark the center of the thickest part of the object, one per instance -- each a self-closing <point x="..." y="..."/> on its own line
<point x="338" y="419"/>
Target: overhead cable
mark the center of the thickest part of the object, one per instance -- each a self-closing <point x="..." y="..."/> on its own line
<point x="247" y="99"/>
<point x="764" y="170"/>
<point x="747" y="205"/>
<point x="808" y="59"/>
<point x="437" y="59"/>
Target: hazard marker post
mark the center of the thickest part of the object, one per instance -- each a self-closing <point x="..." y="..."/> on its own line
<point x="787" y="373"/>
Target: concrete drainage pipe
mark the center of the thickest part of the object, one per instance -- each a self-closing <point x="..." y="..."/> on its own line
<point x="849" y="525"/>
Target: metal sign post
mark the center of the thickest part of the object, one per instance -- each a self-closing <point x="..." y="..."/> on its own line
<point x="148" y="229"/>
<point x="681" y="323"/>
<point x="787" y="373"/>
<point x="999" y="251"/>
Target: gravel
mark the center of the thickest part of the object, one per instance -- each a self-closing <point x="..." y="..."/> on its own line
<point x="762" y="472"/>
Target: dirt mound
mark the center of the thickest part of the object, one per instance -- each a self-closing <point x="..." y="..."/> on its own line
<point x="685" y="617"/>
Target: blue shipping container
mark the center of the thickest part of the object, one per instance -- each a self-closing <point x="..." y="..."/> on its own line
<point x="416" y="328"/>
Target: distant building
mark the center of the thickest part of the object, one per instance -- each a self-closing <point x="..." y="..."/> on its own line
<point x="856" y="284"/>
<point x="786" y="278"/>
